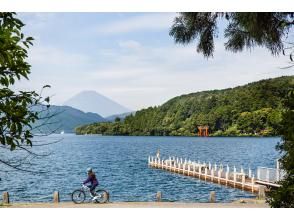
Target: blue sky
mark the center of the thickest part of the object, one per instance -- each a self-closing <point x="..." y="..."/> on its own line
<point x="131" y="58"/>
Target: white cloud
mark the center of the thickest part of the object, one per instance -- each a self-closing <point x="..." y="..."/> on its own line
<point x="130" y="44"/>
<point x="152" y="21"/>
<point x="44" y="55"/>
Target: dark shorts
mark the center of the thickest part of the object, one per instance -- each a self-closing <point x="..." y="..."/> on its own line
<point x="93" y="186"/>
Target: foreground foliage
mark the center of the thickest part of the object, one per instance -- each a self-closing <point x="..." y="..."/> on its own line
<point x="16" y="115"/>
<point x="251" y="110"/>
<point x="284" y="196"/>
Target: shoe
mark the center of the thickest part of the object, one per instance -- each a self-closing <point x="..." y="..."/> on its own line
<point x="96" y="197"/>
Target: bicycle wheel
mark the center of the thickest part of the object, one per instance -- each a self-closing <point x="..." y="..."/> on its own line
<point x="102" y="196"/>
<point x="78" y="196"/>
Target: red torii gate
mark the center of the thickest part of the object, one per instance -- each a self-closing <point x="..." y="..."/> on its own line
<point x="203" y="131"/>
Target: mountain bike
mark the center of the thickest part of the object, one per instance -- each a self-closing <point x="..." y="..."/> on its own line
<point x="79" y="196"/>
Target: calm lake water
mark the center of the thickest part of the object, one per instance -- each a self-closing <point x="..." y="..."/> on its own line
<point x="121" y="167"/>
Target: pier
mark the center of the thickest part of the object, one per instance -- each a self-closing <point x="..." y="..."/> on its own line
<point x="218" y="174"/>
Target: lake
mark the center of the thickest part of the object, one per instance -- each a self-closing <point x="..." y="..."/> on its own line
<point x="120" y="164"/>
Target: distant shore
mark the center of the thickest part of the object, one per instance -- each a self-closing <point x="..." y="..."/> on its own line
<point x="216" y="136"/>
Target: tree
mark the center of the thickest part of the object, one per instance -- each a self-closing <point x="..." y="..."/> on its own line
<point x="248" y="30"/>
<point x="117" y="119"/>
<point x="16" y="114"/>
<point x="284" y="196"/>
<point x="243" y="30"/>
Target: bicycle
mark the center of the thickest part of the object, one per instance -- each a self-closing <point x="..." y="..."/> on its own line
<point x="78" y="196"/>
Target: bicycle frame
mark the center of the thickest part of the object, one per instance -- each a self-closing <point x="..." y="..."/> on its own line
<point x="85" y="188"/>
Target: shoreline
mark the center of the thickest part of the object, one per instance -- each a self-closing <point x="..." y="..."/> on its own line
<point x="195" y="136"/>
<point x="242" y="203"/>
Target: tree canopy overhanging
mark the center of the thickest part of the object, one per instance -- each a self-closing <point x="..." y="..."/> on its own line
<point x="243" y="30"/>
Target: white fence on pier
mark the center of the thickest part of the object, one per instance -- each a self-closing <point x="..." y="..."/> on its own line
<point x="220" y="173"/>
<point x="271" y="175"/>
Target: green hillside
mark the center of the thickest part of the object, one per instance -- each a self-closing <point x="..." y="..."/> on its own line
<point x="252" y="109"/>
<point x="62" y="118"/>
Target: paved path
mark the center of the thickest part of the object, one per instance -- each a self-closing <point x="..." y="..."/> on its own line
<point x="237" y="204"/>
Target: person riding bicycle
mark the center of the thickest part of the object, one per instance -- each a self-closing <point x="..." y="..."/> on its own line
<point x="91" y="179"/>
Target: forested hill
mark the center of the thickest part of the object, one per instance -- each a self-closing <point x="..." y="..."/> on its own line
<point x="252" y="109"/>
<point x="62" y="118"/>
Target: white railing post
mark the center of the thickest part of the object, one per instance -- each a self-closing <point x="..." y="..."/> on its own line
<point x="278" y="171"/>
<point x="249" y="172"/>
<point x="188" y="169"/>
<point x="228" y="168"/>
<point x="258" y="173"/>
<point x="174" y="165"/>
<point x="243" y="180"/>
<point x="219" y="176"/>
<point x="227" y="177"/>
<point x="199" y="170"/>
<point x="212" y="174"/>
<point x="209" y="166"/>
<point x="267" y="175"/>
<point x="183" y="168"/>
<point x="215" y="167"/>
<point x="205" y="173"/>
<point x="252" y="183"/>
<point x="235" y="178"/>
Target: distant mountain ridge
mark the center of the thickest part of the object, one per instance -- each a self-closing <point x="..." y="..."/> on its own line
<point x="91" y="101"/>
<point x="63" y="118"/>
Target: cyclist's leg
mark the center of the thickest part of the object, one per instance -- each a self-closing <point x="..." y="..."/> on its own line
<point x="92" y="189"/>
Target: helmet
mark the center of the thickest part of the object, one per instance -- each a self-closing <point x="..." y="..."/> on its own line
<point x="89" y="169"/>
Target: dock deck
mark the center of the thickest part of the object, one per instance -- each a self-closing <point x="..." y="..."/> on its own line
<point x="207" y="172"/>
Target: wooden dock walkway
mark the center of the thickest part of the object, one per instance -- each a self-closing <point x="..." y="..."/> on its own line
<point x="208" y="172"/>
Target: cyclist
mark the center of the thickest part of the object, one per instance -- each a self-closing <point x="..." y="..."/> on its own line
<point x="92" y="180"/>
